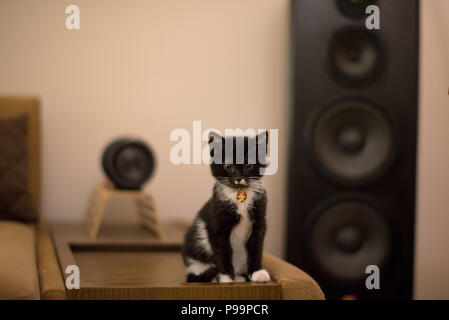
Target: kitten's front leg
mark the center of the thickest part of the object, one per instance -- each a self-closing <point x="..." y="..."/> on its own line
<point x="255" y="247"/>
<point x="223" y="256"/>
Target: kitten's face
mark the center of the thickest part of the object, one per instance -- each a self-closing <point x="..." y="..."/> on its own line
<point x="238" y="175"/>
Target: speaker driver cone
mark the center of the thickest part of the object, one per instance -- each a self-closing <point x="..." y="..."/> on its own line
<point x="351" y="142"/>
<point x="355" y="57"/>
<point x="128" y="163"/>
<point x="345" y="237"/>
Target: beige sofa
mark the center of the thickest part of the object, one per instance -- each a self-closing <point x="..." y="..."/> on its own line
<point x="28" y="264"/>
<point x="29" y="267"/>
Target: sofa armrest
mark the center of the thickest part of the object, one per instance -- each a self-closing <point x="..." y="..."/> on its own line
<point x="295" y="283"/>
<point x="50" y="277"/>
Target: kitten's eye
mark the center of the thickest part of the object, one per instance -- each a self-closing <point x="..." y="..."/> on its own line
<point x="249" y="166"/>
<point x="227" y="166"/>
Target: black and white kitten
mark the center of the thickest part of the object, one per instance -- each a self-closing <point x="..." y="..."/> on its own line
<point x="225" y="242"/>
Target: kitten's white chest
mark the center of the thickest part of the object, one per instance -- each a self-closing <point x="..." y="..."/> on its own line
<point x="239" y="237"/>
<point x="242" y="231"/>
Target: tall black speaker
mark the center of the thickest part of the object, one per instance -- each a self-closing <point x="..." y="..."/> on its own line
<point x="353" y="145"/>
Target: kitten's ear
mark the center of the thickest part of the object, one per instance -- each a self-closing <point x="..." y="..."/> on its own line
<point x="216" y="141"/>
<point x="262" y="137"/>
<point x="262" y="148"/>
<point x="213" y="136"/>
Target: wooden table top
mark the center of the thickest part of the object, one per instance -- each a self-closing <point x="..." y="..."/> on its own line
<point x="126" y="262"/>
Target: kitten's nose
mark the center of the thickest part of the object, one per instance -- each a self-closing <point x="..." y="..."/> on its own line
<point x="242" y="181"/>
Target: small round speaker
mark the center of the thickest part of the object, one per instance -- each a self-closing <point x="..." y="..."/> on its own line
<point x="350" y="142"/>
<point x="344" y="235"/>
<point x="354" y="8"/>
<point x="355" y="57"/>
<point x="128" y="163"/>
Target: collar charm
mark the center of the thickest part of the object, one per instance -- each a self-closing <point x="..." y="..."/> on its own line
<point x="241" y="195"/>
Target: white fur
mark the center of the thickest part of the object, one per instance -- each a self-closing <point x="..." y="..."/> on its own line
<point x="239" y="237"/>
<point x="242" y="182"/>
<point x="224" y="278"/>
<point x="260" y="276"/>
<point x="242" y="231"/>
<point x="230" y="194"/>
<point x="203" y="237"/>
<point x="196" y="267"/>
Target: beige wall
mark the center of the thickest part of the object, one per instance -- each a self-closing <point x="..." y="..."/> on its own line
<point x="432" y="252"/>
<point x="147" y="67"/>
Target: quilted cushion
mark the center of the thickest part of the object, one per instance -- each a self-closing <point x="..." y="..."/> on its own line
<point x="15" y="198"/>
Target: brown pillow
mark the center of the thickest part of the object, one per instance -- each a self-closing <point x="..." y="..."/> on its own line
<point x="15" y="197"/>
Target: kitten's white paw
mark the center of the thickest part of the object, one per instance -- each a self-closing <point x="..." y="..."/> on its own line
<point x="260" y="276"/>
<point x="224" y="278"/>
<point x="240" y="279"/>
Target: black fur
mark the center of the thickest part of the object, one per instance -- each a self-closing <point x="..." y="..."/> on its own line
<point x="220" y="216"/>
